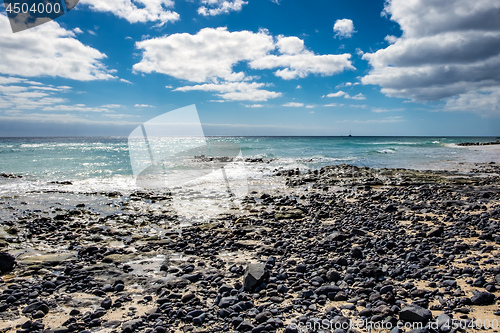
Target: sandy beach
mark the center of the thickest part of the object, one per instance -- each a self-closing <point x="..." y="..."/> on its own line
<point x="343" y="248"/>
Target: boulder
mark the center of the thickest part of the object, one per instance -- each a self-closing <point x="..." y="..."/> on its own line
<point x="254" y="275"/>
<point x="483" y="298"/>
<point x="415" y="313"/>
<point x="7" y="262"/>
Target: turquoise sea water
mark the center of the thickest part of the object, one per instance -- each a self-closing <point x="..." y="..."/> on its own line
<point x="64" y="172"/>
<point x="59" y="159"/>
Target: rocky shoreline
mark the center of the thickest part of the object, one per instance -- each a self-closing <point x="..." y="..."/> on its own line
<point x="344" y="250"/>
<point x="466" y="144"/>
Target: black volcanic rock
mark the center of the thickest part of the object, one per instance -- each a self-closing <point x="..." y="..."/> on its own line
<point x="7" y="262"/>
<point x="254" y="275"/>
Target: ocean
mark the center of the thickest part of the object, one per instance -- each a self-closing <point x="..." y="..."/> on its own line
<point x="70" y="159"/>
<point x="53" y="167"/>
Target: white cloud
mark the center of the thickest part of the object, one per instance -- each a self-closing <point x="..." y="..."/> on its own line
<point x="254" y="106"/>
<point x="235" y="91"/>
<point x="76" y="108"/>
<point x="358" y="106"/>
<point x="209" y="54"/>
<point x="144" y="106"/>
<point x="303" y="64"/>
<point x="341" y="93"/>
<point x="333" y="105"/>
<point x="294" y="105"/>
<point x="383" y="110"/>
<point x="49" y="50"/>
<point x="19" y="95"/>
<point x="485" y="102"/>
<point x="391" y="39"/>
<point x="65" y="118"/>
<point x="22" y="94"/>
<point x="136" y="11"/>
<point x="343" y="28"/>
<point x="347" y="84"/>
<point x="298" y="87"/>
<point x="449" y="51"/>
<point x="387" y="120"/>
<point x="358" y="97"/>
<point x="217" y="7"/>
<point x="290" y="45"/>
<point x="210" y="57"/>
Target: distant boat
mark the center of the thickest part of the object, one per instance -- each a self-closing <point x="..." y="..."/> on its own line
<point x="350" y="134"/>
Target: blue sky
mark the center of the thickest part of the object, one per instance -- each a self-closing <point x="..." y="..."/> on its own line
<point x="264" y="67"/>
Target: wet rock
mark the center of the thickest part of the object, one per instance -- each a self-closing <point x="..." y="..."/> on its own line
<point x="245" y="326"/>
<point x="390" y="209"/>
<point x="254" y="275"/>
<point x="327" y="289"/>
<point x="131" y="325"/>
<point x="372" y="270"/>
<point x="415" y="313"/>
<point x="301" y="268"/>
<point x="435" y="232"/>
<point x="39" y="314"/>
<point x="188" y="297"/>
<point x="263" y="317"/>
<point x="292" y="214"/>
<point x="291" y="329"/>
<point x="192" y="277"/>
<point x="106" y="303"/>
<point x="444" y="322"/>
<point x="226" y="302"/>
<point x="357" y="252"/>
<point x="336" y="236"/>
<point x="333" y="275"/>
<point x="7" y="262"/>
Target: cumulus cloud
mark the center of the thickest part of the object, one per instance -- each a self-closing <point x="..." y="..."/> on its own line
<point x="294" y="105"/>
<point x="449" y="51"/>
<point x="217" y="7"/>
<point x="341" y="93"/>
<point x="391" y="39"/>
<point x="343" y="28"/>
<point x="486" y="102"/>
<point x="49" y="50"/>
<point x="235" y="91"/>
<point x="136" y="11"/>
<point x="210" y="56"/>
<point x="290" y="45"/>
<point x="212" y="53"/>
<point x="303" y="64"/>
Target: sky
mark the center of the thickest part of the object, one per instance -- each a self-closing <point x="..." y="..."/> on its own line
<point x="257" y="67"/>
